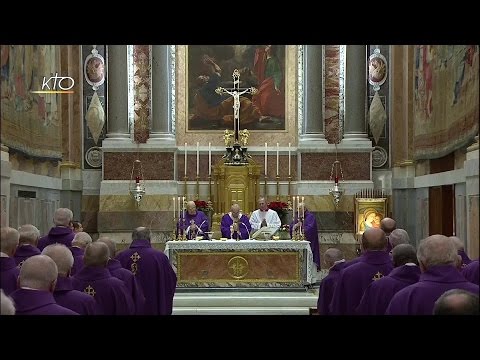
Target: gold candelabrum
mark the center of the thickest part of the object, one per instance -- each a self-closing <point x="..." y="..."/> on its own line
<point x="198" y="188"/>
<point x="299" y="234"/>
<point x="289" y="198"/>
<point x="278" y="187"/>
<point x="184" y="236"/>
<point x="174" y="232"/>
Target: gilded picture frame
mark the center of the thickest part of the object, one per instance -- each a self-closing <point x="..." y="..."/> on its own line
<point x="368" y="213"/>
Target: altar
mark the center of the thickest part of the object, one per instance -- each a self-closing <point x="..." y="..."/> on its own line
<point x="242" y="264"/>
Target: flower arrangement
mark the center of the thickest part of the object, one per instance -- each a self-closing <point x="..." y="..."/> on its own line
<point x="279" y="206"/>
<point x="203" y="206"/>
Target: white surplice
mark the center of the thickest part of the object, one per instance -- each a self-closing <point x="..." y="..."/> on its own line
<point x="270" y="216"/>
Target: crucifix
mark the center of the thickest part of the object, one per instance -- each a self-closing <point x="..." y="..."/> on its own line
<point x="236" y="92"/>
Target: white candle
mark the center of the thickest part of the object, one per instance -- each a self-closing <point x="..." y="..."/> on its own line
<point x="298" y="207"/>
<point x="185" y="159"/>
<point x="179" y="208"/>
<point x="265" y="159"/>
<point x="174" y="208"/>
<point x="289" y="163"/>
<point x="209" y="158"/>
<point x="277" y="158"/>
<point x="198" y="159"/>
<point x="293" y="206"/>
<point x="303" y="207"/>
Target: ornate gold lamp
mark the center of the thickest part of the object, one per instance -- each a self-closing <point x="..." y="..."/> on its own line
<point x="336" y="191"/>
<point x="137" y="182"/>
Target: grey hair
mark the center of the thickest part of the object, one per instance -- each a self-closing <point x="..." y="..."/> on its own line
<point x="81" y="239"/>
<point x="29" y="234"/>
<point x="7" y="305"/>
<point x="437" y="250"/>
<point x="61" y="255"/>
<point x="38" y="272"/>
<point x="457" y="302"/>
<point x="399" y="236"/>
<point x="8" y="239"/>
<point x="141" y="233"/>
<point x="62" y="217"/>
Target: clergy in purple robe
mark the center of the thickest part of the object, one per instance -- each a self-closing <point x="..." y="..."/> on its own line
<point x="388" y="225"/>
<point x="111" y="295"/>
<point x="378" y="294"/>
<point x="335" y="261"/>
<point x="8" y="267"/>
<point x="309" y="228"/>
<point x="235" y="225"/>
<point x="125" y="275"/>
<point x="152" y="270"/>
<point x="437" y="256"/>
<point x="195" y="224"/>
<point x="470" y="272"/>
<point x="27" y="244"/>
<point x="62" y="232"/>
<point x="461" y="251"/>
<point x="375" y="264"/>
<point x="37" y="280"/>
<point x="79" y="244"/>
<point x="64" y="293"/>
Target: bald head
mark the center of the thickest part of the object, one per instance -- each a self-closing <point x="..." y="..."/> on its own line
<point x="38" y="272"/>
<point x="404" y="253"/>
<point x="81" y="240"/>
<point x="388" y="225"/>
<point x="141" y="233"/>
<point x="398" y="236"/>
<point x="235" y="209"/>
<point x="458" y="243"/>
<point x="436" y="250"/>
<point x="7" y="305"/>
<point x="191" y="207"/>
<point x="332" y="255"/>
<point x="9" y="240"/>
<point x="112" y="247"/>
<point x="62" y="256"/>
<point x="62" y="217"/>
<point x="457" y="302"/>
<point x="374" y="239"/>
<point x="29" y="234"/>
<point x="96" y="254"/>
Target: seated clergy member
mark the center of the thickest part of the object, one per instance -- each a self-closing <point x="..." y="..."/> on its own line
<point x="62" y="231"/>
<point x="64" y="293"/>
<point x="27" y="244"/>
<point x="8" y="268"/>
<point x="461" y="251"/>
<point x="378" y="294"/>
<point x="310" y="229"/>
<point x="335" y="261"/>
<point x="196" y="223"/>
<point x="437" y="256"/>
<point x="264" y="216"/>
<point x="111" y="294"/>
<point x="79" y="243"/>
<point x="235" y="225"/>
<point x="36" y="282"/>
<point x="457" y="302"/>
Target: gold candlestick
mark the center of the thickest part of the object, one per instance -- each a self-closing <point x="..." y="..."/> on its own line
<point x="278" y="187"/>
<point x="184" y="237"/>
<point x="198" y="188"/>
<point x="174" y="232"/>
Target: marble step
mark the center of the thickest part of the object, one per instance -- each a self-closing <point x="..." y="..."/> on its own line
<point x="275" y="310"/>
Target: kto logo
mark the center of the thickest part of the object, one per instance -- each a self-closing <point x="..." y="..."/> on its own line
<point x="56" y="85"/>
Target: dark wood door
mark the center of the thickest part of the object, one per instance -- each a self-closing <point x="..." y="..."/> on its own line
<point x="441" y="210"/>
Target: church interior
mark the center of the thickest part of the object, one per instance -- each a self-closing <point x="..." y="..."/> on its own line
<point x="126" y="135"/>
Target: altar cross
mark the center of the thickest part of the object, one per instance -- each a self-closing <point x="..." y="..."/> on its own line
<point x="236" y="92"/>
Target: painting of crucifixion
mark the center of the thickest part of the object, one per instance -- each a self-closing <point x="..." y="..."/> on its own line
<point x="260" y="66"/>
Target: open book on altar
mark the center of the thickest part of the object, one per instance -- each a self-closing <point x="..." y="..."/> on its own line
<point x="264" y="233"/>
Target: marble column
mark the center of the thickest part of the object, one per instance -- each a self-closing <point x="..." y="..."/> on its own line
<point x="355" y="92"/>
<point x="6" y="171"/>
<point x="161" y="125"/>
<point x="117" y="92"/>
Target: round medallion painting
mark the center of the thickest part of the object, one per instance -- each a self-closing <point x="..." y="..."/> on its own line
<point x="95" y="70"/>
<point x="377" y="69"/>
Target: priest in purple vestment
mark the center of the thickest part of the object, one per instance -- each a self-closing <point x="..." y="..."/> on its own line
<point x="378" y="294"/>
<point x="27" y="244"/>
<point x="461" y="251"/>
<point x="111" y="295"/>
<point x="37" y="281"/>
<point x="437" y="256"/>
<point x="457" y="302"/>
<point x="470" y="272"/>
<point x="235" y="225"/>
<point x="152" y="270"/>
<point x="125" y="275"/>
<point x="375" y="264"/>
<point x="388" y="225"/>
<point x="195" y="224"/>
<point x="308" y="224"/>
<point x="334" y="260"/>
<point x="79" y="244"/>
<point x="62" y="232"/>
<point x="64" y="293"/>
<point x="8" y="267"/>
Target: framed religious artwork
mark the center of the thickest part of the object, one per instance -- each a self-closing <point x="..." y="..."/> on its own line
<point x="368" y="213"/>
<point x="211" y="66"/>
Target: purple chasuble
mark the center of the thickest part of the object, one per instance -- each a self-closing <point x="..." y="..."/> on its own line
<point x="37" y="302"/>
<point x="131" y="283"/>
<point x="153" y="271"/>
<point x="378" y="294"/>
<point x="78" y="254"/>
<point x="243" y="225"/>
<point x="470" y="272"/>
<point x="327" y="286"/>
<point x="355" y="279"/>
<point x="110" y="293"/>
<point x="65" y="295"/>
<point x="311" y="234"/>
<point x="199" y="219"/>
<point x="58" y="234"/>
<point x="465" y="259"/>
<point x="9" y="274"/>
<point x="353" y="261"/>
<point x="419" y="298"/>
<point x="23" y="252"/>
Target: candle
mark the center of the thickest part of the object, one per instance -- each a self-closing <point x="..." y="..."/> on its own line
<point x="198" y="160"/>
<point x="265" y="159"/>
<point x="174" y="208"/>
<point x="209" y="158"/>
<point x="277" y="158"/>
<point x="185" y="159"/>
<point x="303" y="207"/>
<point x="298" y="207"/>
<point x="289" y="163"/>
<point x="293" y="206"/>
<point x="179" y="208"/>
